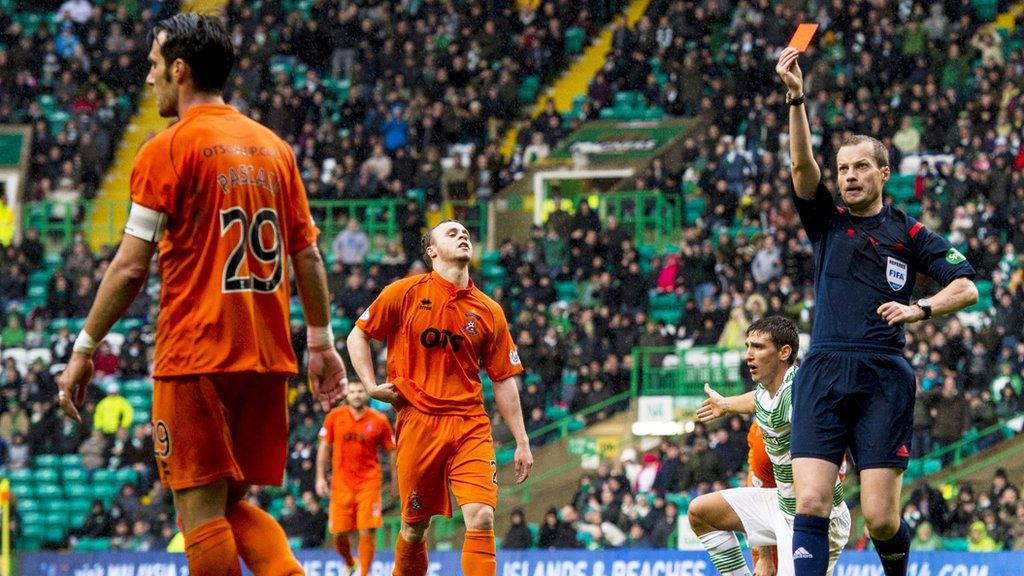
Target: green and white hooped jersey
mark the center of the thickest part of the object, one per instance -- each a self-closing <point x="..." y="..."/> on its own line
<point x="774" y="415"/>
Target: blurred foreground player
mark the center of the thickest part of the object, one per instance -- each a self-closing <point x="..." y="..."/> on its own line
<point x="221" y="198"/>
<point x="765" y="515"/>
<point x="350" y="441"/>
<point x="440" y="329"/>
<point x="855" y="390"/>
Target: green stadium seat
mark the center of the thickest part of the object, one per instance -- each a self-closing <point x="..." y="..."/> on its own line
<point x="954" y="544"/>
<point x="574" y="40"/>
<point x="528" y="89"/>
<point x="23" y="476"/>
<point x="56" y="506"/>
<point x="45" y="491"/>
<point x="33" y="519"/>
<point x="47" y="461"/>
<point x="57" y="522"/>
<point x="73" y="476"/>
<point x="34" y="532"/>
<point x="576" y="425"/>
<point x="93" y="544"/>
<point x="138" y="386"/>
<point x="931" y="466"/>
<point x="103" y="476"/>
<point x="556" y="413"/>
<point x="105" y="492"/>
<point x="140" y="401"/>
<point x="534" y="533"/>
<point x="566" y="290"/>
<point x="29" y="505"/>
<point x="22" y="490"/>
<point x="45" y="476"/>
<point x="505" y="456"/>
<point x="78" y="490"/>
<point x="295" y="543"/>
<point x="26" y="544"/>
<point x="141" y="417"/>
<point x="70" y="461"/>
<point x="127" y="476"/>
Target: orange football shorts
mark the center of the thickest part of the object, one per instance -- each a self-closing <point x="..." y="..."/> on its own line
<point x="232" y="426"/>
<point x="435" y="452"/>
<point x="351" y="511"/>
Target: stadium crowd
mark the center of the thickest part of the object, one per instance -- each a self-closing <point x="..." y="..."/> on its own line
<point x="378" y="100"/>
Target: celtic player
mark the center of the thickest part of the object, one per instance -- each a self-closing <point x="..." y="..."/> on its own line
<point x="765" y="515"/>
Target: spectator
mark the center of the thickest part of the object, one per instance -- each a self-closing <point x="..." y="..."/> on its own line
<point x="19" y="453"/>
<point x="96" y="525"/>
<point x="351" y="244"/>
<point x="951" y="414"/>
<point x="113" y="411"/>
<point x="293" y="520"/>
<point x="978" y="539"/>
<point x="518" y="536"/>
<point x="558" y="533"/>
<point x="925" y="539"/>
<point x="94" y="451"/>
<point x="122" y="538"/>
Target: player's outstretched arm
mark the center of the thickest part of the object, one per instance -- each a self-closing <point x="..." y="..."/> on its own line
<point x="806" y="172"/>
<point x="323" y="459"/>
<point x="361" y="355"/>
<point x="506" y="396"/>
<point x="326" y="370"/>
<point x="716" y="405"/>
<point x="957" y="295"/>
<point x="121" y="283"/>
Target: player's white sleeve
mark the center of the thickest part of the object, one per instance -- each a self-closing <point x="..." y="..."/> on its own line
<point x="145" y="223"/>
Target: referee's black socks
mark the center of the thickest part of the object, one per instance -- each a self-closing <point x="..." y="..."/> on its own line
<point x="895" y="551"/>
<point x="810" y="545"/>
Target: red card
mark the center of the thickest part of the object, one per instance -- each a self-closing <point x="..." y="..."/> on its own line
<point x="803" y="36"/>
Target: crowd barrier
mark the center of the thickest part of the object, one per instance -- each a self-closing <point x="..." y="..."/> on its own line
<point x="528" y="563"/>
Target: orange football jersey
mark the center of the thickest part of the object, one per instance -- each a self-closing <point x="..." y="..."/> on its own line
<point x="438" y="337"/>
<point x="761" y="473"/>
<point x="354" y="459"/>
<point x="235" y="210"/>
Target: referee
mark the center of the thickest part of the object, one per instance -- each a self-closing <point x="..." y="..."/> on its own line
<point x="855" y="390"/>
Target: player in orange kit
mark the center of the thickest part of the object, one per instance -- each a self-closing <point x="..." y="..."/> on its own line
<point x="221" y="198"/>
<point x="759" y="475"/>
<point x="349" y="442"/>
<point x="440" y="330"/>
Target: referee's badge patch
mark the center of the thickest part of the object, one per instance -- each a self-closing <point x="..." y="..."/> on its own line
<point x="896" y="273"/>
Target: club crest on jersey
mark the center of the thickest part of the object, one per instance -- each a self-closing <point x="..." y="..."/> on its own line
<point x="470" y="327"/>
<point x="896" y="273"/>
<point x="513" y="357"/>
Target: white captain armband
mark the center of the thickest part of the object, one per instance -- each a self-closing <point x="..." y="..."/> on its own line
<point x="145" y="223"/>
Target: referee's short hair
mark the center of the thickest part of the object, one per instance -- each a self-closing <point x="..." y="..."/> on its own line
<point x="781" y="331"/>
<point x="880" y="152"/>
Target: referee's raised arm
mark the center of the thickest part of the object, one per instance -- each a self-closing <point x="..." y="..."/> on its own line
<point x="806" y="172"/>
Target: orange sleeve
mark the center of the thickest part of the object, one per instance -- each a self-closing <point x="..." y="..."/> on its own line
<point x="387" y="435"/>
<point x="154" y="180"/>
<point x="385" y="314"/>
<point x="327" y="430"/>
<point x="302" y="231"/>
<point x="502" y="358"/>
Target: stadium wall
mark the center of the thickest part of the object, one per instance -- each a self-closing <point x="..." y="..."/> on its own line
<point x="529" y="563"/>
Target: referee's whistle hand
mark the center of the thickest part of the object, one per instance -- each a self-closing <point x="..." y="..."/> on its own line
<point x="895" y="313"/>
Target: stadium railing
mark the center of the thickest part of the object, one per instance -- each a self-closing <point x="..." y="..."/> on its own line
<point x="686" y="376"/>
<point x="60" y="220"/>
<point x="650" y="215"/>
<point x="954" y="454"/>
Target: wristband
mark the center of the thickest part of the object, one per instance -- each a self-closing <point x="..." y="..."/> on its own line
<point x="796" y="101"/>
<point x="85" y="343"/>
<point x="319" y="336"/>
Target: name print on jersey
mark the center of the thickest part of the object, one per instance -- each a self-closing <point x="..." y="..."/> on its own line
<point x="249" y="175"/>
